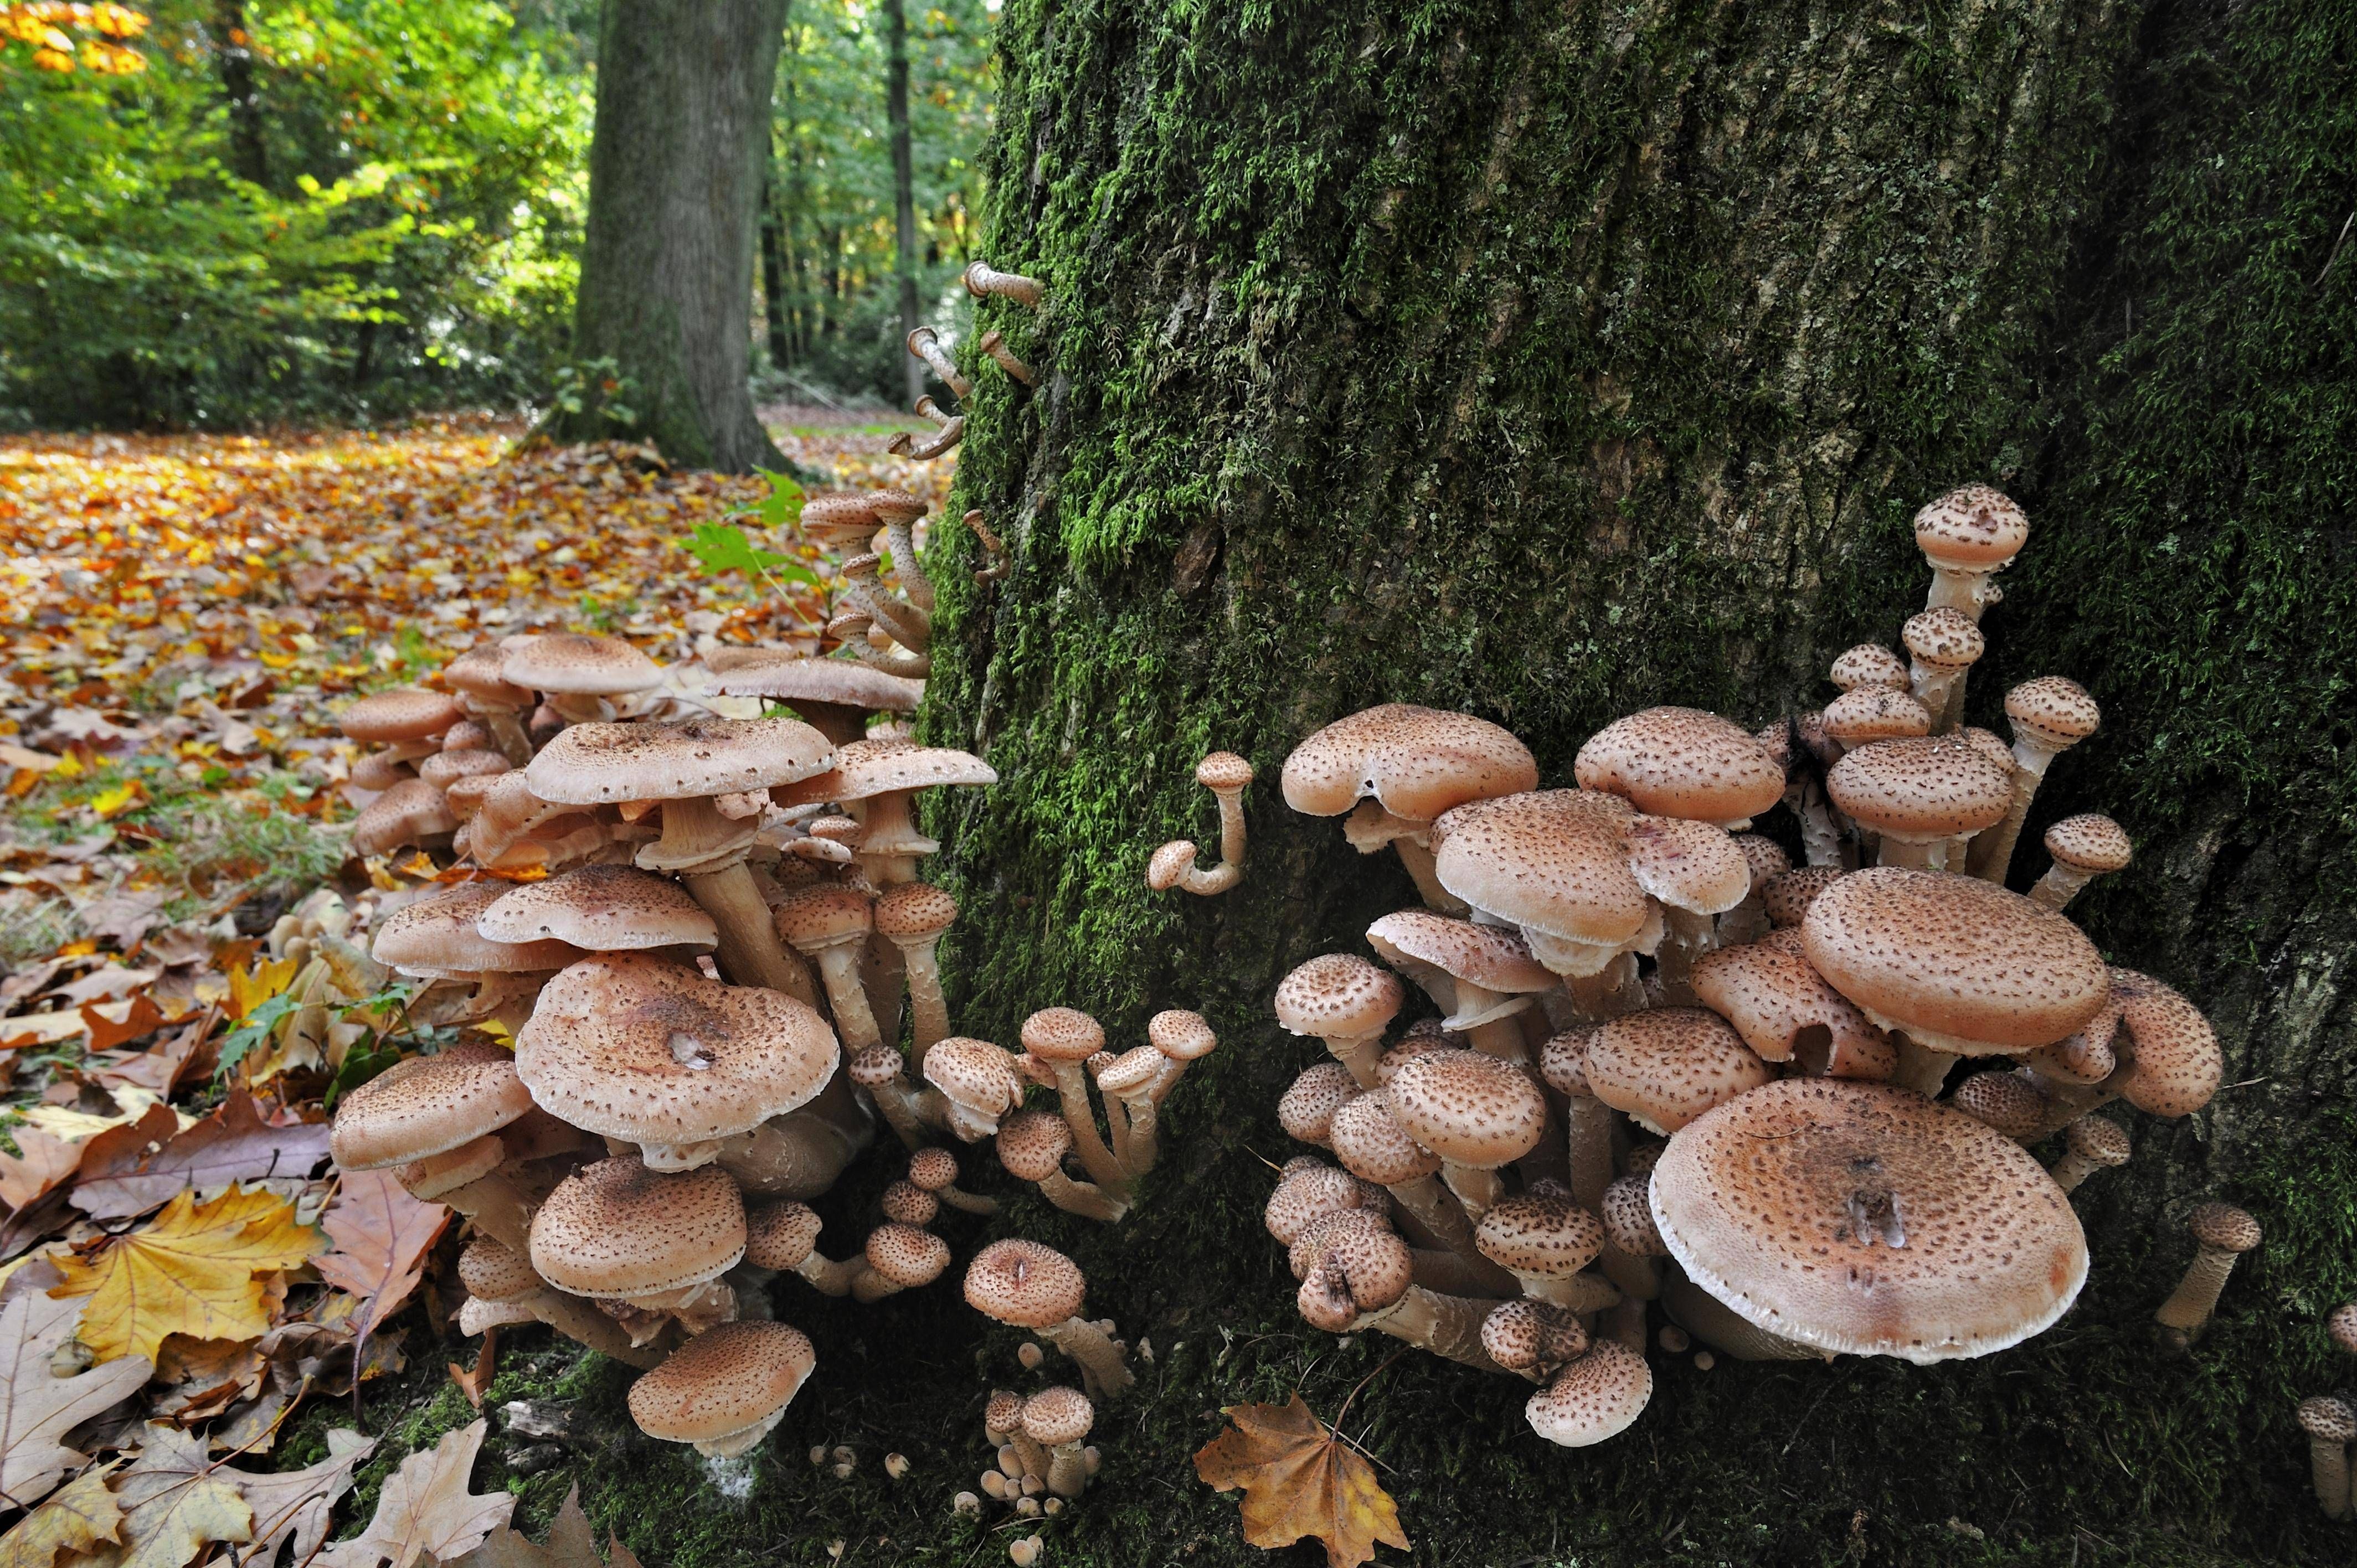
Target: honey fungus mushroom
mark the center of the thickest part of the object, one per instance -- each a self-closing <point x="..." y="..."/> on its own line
<point x="1969" y="535"/>
<point x="724" y="1390"/>
<point x="1029" y="1286"/>
<point x="580" y="673"/>
<point x="877" y="781"/>
<point x="1681" y="762"/>
<point x="1344" y="1001"/>
<point x="836" y="697"/>
<point x="428" y="1106"/>
<point x="1225" y="775"/>
<point x="660" y="1240"/>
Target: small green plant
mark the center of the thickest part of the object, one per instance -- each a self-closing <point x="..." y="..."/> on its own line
<point x="595" y="387"/>
<point x="722" y="548"/>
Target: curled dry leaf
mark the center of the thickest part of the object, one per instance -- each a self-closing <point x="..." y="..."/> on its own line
<point x="382" y="1235"/>
<point x="1301" y="1479"/>
<point x="233" y="1145"/>
<point x="291" y="1507"/>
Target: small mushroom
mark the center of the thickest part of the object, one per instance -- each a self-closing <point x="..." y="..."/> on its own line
<point x="1028" y="1285"/>
<point x="995" y="565"/>
<point x="2048" y="716"/>
<point x="1362" y="1276"/>
<point x="2090" y="1144"/>
<point x="1870" y="665"/>
<point x="993" y="343"/>
<point x="1064" y="1037"/>
<point x="2083" y="847"/>
<point x="2330" y="1424"/>
<point x="898" y="1257"/>
<point x="983" y="280"/>
<point x="1968" y="536"/>
<point x="1225" y="775"/>
<point x="724" y="1390"/>
<point x="978" y="1080"/>
<point x="1344" y="1001"/>
<point x="1594" y="1398"/>
<point x="926" y="345"/>
<point x="829" y="924"/>
<point x="1032" y="1145"/>
<point x="783" y="1237"/>
<point x="1533" y="1338"/>
<point x="1476" y="1112"/>
<point x="879" y="1071"/>
<point x="936" y="1171"/>
<point x="1059" y="1419"/>
<point x="1307" y="1109"/>
<point x="2221" y="1233"/>
<point x="1546" y="1242"/>
<point x="1944" y="644"/>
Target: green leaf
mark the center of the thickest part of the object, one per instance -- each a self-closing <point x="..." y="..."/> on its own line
<point x="360" y="1066"/>
<point x="723" y="547"/>
<point x="782" y="507"/>
<point x="254" y="1031"/>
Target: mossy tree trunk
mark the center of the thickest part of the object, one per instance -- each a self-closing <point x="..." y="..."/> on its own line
<point x="675" y="165"/>
<point x="1549" y="365"/>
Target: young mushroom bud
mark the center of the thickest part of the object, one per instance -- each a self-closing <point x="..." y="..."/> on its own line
<point x="898" y="1257"/>
<point x="2331" y="1425"/>
<point x="983" y="280"/>
<point x="2090" y="1144"/>
<point x="1128" y="1081"/>
<point x="906" y="1203"/>
<point x="783" y="1237"/>
<point x="1345" y="1001"/>
<point x="926" y="345"/>
<point x="1059" y="1419"/>
<point x="1225" y="775"/>
<point x="1944" y="644"/>
<point x="726" y="1389"/>
<point x="993" y="343"/>
<point x="1546" y="1242"/>
<point x="2049" y="716"/>
<point x="2221" y="1233"/>
<point x="2341" y="1328"/>
<point x="979" y="1081"/>
<point x="1307" y="1111"/>
<point x="2083" y="847"/>
<point x="1870" y="664"/>
<point x="936" y="1171"/>
<point x="1593" y="1397"/>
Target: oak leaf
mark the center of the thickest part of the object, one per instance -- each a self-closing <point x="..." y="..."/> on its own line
<point x="291" y="1507"/>
<point x="76" y="1517"/>
<point x="233" y="1145"/>
<point x="382" y="1235"/>
<point x="176" y="1502"/>
<point x="426" y="1507"/>
<point x="193" y="1271"/>
<point x="571" y="1545"/>
<point x="37" y="1408"/>
<point x="1301" y="1479"/>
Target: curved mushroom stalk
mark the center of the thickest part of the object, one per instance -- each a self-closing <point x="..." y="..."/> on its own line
<point x="906" y="446"/>
<point x="828" y="1275"/>
<point x="993" y="343"/>
<point x="1173" y="865"/>
<point x="1428" y="1205"/>
<point x="983" y="280"/>
<point x="1085" y="1198"/>
<point x="1370" y="827"/>
<point x="1478" y="1189"/>
<point x="1448" y="1273"/>
<point x="908" y="625"/>
<point x="912" y="1114"/>
<point x="1104" y="1371"/>
<point x="925" y="344"/>
<point x="855" y="630"/>
<point x="1448" y="1325"/>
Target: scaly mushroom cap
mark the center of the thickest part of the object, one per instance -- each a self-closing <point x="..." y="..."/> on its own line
<point x="427" y="1106"/>
<point x="869" y="767"/>
<point x="1543" y="1233"/>
<point x="1063" y="1035"/>
<point x="1920" y="788"/>
<point x="841" y="517"/>
<point x="592" y="764"/>
<point x="1973" y="529"/>
<point x="1223" y="770"/>
<point x="791" y="677"/>
<point x="2098" y="1140"/>
<point x="1131" y="1071"/>
<point x="1875" y="712"/>
<point x="1488" y="956"/>
<point x="1414" y="762"/>
<point x="824" y="914"/>
<point x="404" y="712"/>
<point x="1168" y="865"/>
<point x="442" y="936"/>
<point x="1338" y="996"/>
<point x="1864" y="1219"/>
<point x="1681" y="762"/>
<point x="1003" y="1414"/>
<point x="2053" y="709"/>
<point x="975" y="1074"/>
<point x="907" y="1256"/>
<point x="1943" y="638"/>
<point x="1960" y="964"/>
<point x="1181" y="1036"/>
<point x="410" y="811"/>
<point x="1025" y="1284"/>
<point x="875" y="1066"/>
<point x="1789" y="894"/>
<point x="2341" y="1328"/>
<point x="1307" y="1109"/>
<point x="1307" y="1194"/>
<point x="1563" y="1062"/>
<point x="1782" y="1007"/>
<point x="1765" y="857"/>
<point x="1527" y="1336"/>
<point x="617" y="1229"/>
<point x="427" y="1179"/>
<point x="1988" y="744"/>
<point x="1551" y="861"/>
<point x="644" y="1049"/>
<point x="914" y="910"/>
<point x="1688" y="864"/>
<point x="2004" y="1102"/>
<point x="1058" y="1416"/>
<point x="2087" y="1055"/>
<point x="444" y="769"/>
<point x="2222" y="1228"/>
<point x="894" y="505"/>
<point x="477" y="673"/>
<point x="933" y="1169"/>
<point x="1372" y="1146"/>
<point x="600" y="908"/>
<point x="1032" y="1145"/>
<point x="1870" y="664"/>
<point x="1599" y="1395"/>
<point x="1309" y="1249"/>
<point x="1667" y="1066"/>
<point x="2090" y="842"/>
<point x="726" y="1381"/>
<point x="2328" y="1418"/>
<point x="779" y="1236"/>
<point x="1361" y="1268"/>
<point x="577" y="663"/>
<point x="490" y="1271"/>
<point x="1468" y="1108"/>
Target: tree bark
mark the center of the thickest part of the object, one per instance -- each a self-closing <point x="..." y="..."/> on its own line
<point x="249" y="152"/>
<point x="675" y="164"/>
<point x="904" y="182"/>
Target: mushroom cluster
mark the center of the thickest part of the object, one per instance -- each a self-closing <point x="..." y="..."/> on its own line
<point x="1673" y="1066"/>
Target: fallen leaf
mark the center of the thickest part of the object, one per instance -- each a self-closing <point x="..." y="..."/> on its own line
<point x="476" y="1383"/>
<point x="107" y="984"/>
<point x="571" y="1545"/>
<point x="382" y="1234"/>
<point x="159" y="1069"/>
<point x="291" y="1507"/>
<point x="42" y="1163"/>
<point x="124" y="1143"/>
<point x="41" y="1028"/>
<point x="123" y="917"/>
<point x="176" y="1502"/>
<point x="250" y="988"/>
<point x="192" y="1272"/>
<point x="77" y="1518"/>
<point x="37" y="1409"/>
<point x="106" y="1034"/>
<point x="233" y="1145"/>
<point x="1301" y="1479"/>
<point x="426" y="1507"/>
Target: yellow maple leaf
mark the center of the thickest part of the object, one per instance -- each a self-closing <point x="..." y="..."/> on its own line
<point x="77" y="1518"/>
<point x="250" y="988"/>
<point x="192" y="1272"/>
<point x="1301" y="1479"/>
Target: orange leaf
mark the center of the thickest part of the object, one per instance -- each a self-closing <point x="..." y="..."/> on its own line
<point x="1301" y="1479"/>
<point x="105" y="1033"/>
<point x="476" y="1383"/>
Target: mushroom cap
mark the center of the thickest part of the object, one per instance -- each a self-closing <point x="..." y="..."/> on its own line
<point x="792" y="677"/>
<point x="476" y="672"/>
<point x="2090" y="842"/>
<point x="599" y="908"/>
<point x="1529" y="1336"/>
<point x="2054" y="710"/>
<point x="933" y="1169"/>
<point x="1628" y="1216"/>
<point x="2222" y="1228"/>
<point x="866" y="769"/>
<point x="1307" y="1109"/>
<point x="1551" y="861"/>
<point x="1788" y="893"/>
<point x="1063" y="1035"/>
<point x="594" y="764"/>
<point x="579" y="663"/>
<point x="875" y="1066"/>
<point x="494" y="1272"/>
<point x="1024" y="1283"/>
<point x="1058" y="1415"/>
<point x="1338" y="997"/>
<point x="1168" y="865"/>
<point x="1681" y="762"/>
<point x="1686" y="865"/>
<point x="1922" y="787"/>
<point x="442" y="936"/>
<point x="1307" y="1193"/>
<point x="906" y="1255"/>
<point x="2328" y="1418"/>
<point x="645" y="1049"/>
<point x="780" y="1235"/>
<point x="1943" y="638"/>
<point x="1783" y="1008"/>
<point x="1032" y="1145"/>
<point x="1414" y="762"/>
<point x="404" y="712"/>
<point x="445" y="767"/>
<point x="2174" y="1062"/>
<point x="2098" y="1140"/>
<point x="1004" y="1413"/>
<point x="914" y="911"/>
<point x="1667" y="1066"/>
<point x="1223" y="770"/>
<point x="1595" y="1397"/>
<point x="1132" y="1072"/>
<point x="1488" y="956"/>
<point x="1972" y="529"/>
<point x="1875" y="712"/>
<point x="895" y="505"/>
<point x="840" y="516"/>
<point x="1959" y="963"/>
<point x="1469" y="1109"/>
<point x="1988" y="744"/>
<point x="427" y="1179"/>
<point x="2340" y="1327"/>
<point x="729" y="1378"/>
<point x="617" y="1229"/>
<point x="1181" y="1036"/>
<point x="824" y="914"/>
<point x="1563" y="1062"/>
<point x="1870" y="664"/>
<point x="1372" y="1146"/>
<point x="1765" y="856"/>
<point x="1542" y="1233"/>
<point x="975" y="1074"/>
<point x="1865" y="1219"/>
<point x="410" y="810"/>
<point x="426" y="1106"/>
<point x="2004" y="1102"/>
<point x="1360" y="1268"/>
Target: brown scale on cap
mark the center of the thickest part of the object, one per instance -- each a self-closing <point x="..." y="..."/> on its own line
<point x="1308" y="1249"/>
<point x="647" y="1050"/>
<point x="443" y="936"/>
<point x="2053" y="711"/>
<point x="779" y="1236"/>
<point x="1667" y="1066"/>
<point x="1595" y="1397"/>
<point x="1920" y="791"/>
<point x="1975" y="528"/>
<point x="616" y="1229"/>
<point x="1032" y="1145"/>
<point x="1785" y="1011"/>
<point x="1628" y="1218"/>
<point x="1471" y="1110"/>
<point x="1959" y="964"/>
<point x="724" y="1390"/>
<point x="1372" y="1146"/>
<point x="1789" y="894"/>
<point x="1362" y="1268"/>
<point x="444" y="769"/>
<point x="1063" y="1035"/>
<point x="431" y="1105"/>
<point x="576" y="664"/>
<point x="1540" y="1235"/>
<point x="1533" y="1337"/>
<point x="1414" y="762"/>
<point x="1307" y="1109"/>
<point x="1553" y="861"/>
<point x="903" y="1257"/>
<point x="409" y="813"/>
<point x="1681" y="762"/>
<point x="1025" y="1283"/>
<point x="1864" y="1219"/>
<point x="2004" y="1102"/>
<point x="2340" y="1327"/>
<point x="495" y="1273"/>
<point x="1344" y="1001"/>
<point x="600" y="908"/>
<point x="1307" y="1194"/>
<point x="1870" y="664"/>
<point x="979" y="1080"/>
<point x="405" y="713"/>
<point x="906" y="1203"/>
<point x="1875" y="712"/>
<point x="590" y="764"/>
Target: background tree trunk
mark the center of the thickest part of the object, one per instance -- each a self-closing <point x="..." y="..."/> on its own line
<point x="904" y="181"/>
<point x="667" y="261"/>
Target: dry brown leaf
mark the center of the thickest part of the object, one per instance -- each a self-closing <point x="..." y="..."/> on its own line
<point x="1299" y="1479"/>
<point x="233" y="1145"/>
<point x="194" y="1271"/>
<point x="37" y="1409"/>
<point x="176" y="1502"/>
<point x="105" y="1033"/>
<point x="571" y="1545"/>
<point x="291" y="1509"/>
<point x="382" y="1235"/>
<point x="427" y="1508"/>
<point x="45" y="1164"/>
<point x="475" y="1384"/>
<point x="77" y="1518"/>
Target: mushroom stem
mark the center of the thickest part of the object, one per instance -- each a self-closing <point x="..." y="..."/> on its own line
<point x="1589" y="1120"/>
<point x="1478" y="1189"/>
<point x="1231" y="823"/>
<point x="1425" y="1202"/>
<point x="1029" y="1453"/>
<point x="1582" y="1291"/>
<point x="1454" y="1274"/>
<point x="1916" y="854"/>
<point x="1640" y="1279"/>
<point x="1079" y="1115"/>
<point x="1709" y="1320"/>
<point x="2072" y="1168"/>
<point x="578" y="1319"/>
<point x="749" y="951"/>
<point x="827" y="1275"/>
<point x="1921" y="1069"/>
<point x="1104" y="1373"/>
<point x="1085" y="1198"/>
<point x="925" y="452"/>
<point x="1686" y="938"/>
<point x="886" y="819"/>
<point x="2188" y="1306"/>
<point x="798" y="1155"/>
<point x="1068" y="1472"/>
<point x="855" y="1022"/>
<point x="1359" y="1053"/>
<point x="907" y="624"/>
<point x="904" y="1110"/>
<point x="2328" y="1468"/>
<point x="1143" y="1144"/>
<point x="993" y="343"/>
<point x="1626" y="1323"/>
<point x="2060" y="885"/>
<point x="983" y="280"/>
<point x="913" y="581"/>
<point x="1448" y="1325"/>
<point x="1610" y="993"/>
<point x="1117" y="1133"/>
<point x="1992" y="851"/>
<point x="967" y="1202"/>
<point x="1416" y="855"/>
<point x="926" y="345"/>
<point x="507" y="733"/>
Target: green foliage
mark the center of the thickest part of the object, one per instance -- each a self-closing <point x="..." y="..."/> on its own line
<point x="253" y="1030"/>
<point x="394" y="223"/>
<point x="598" y="387"/>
